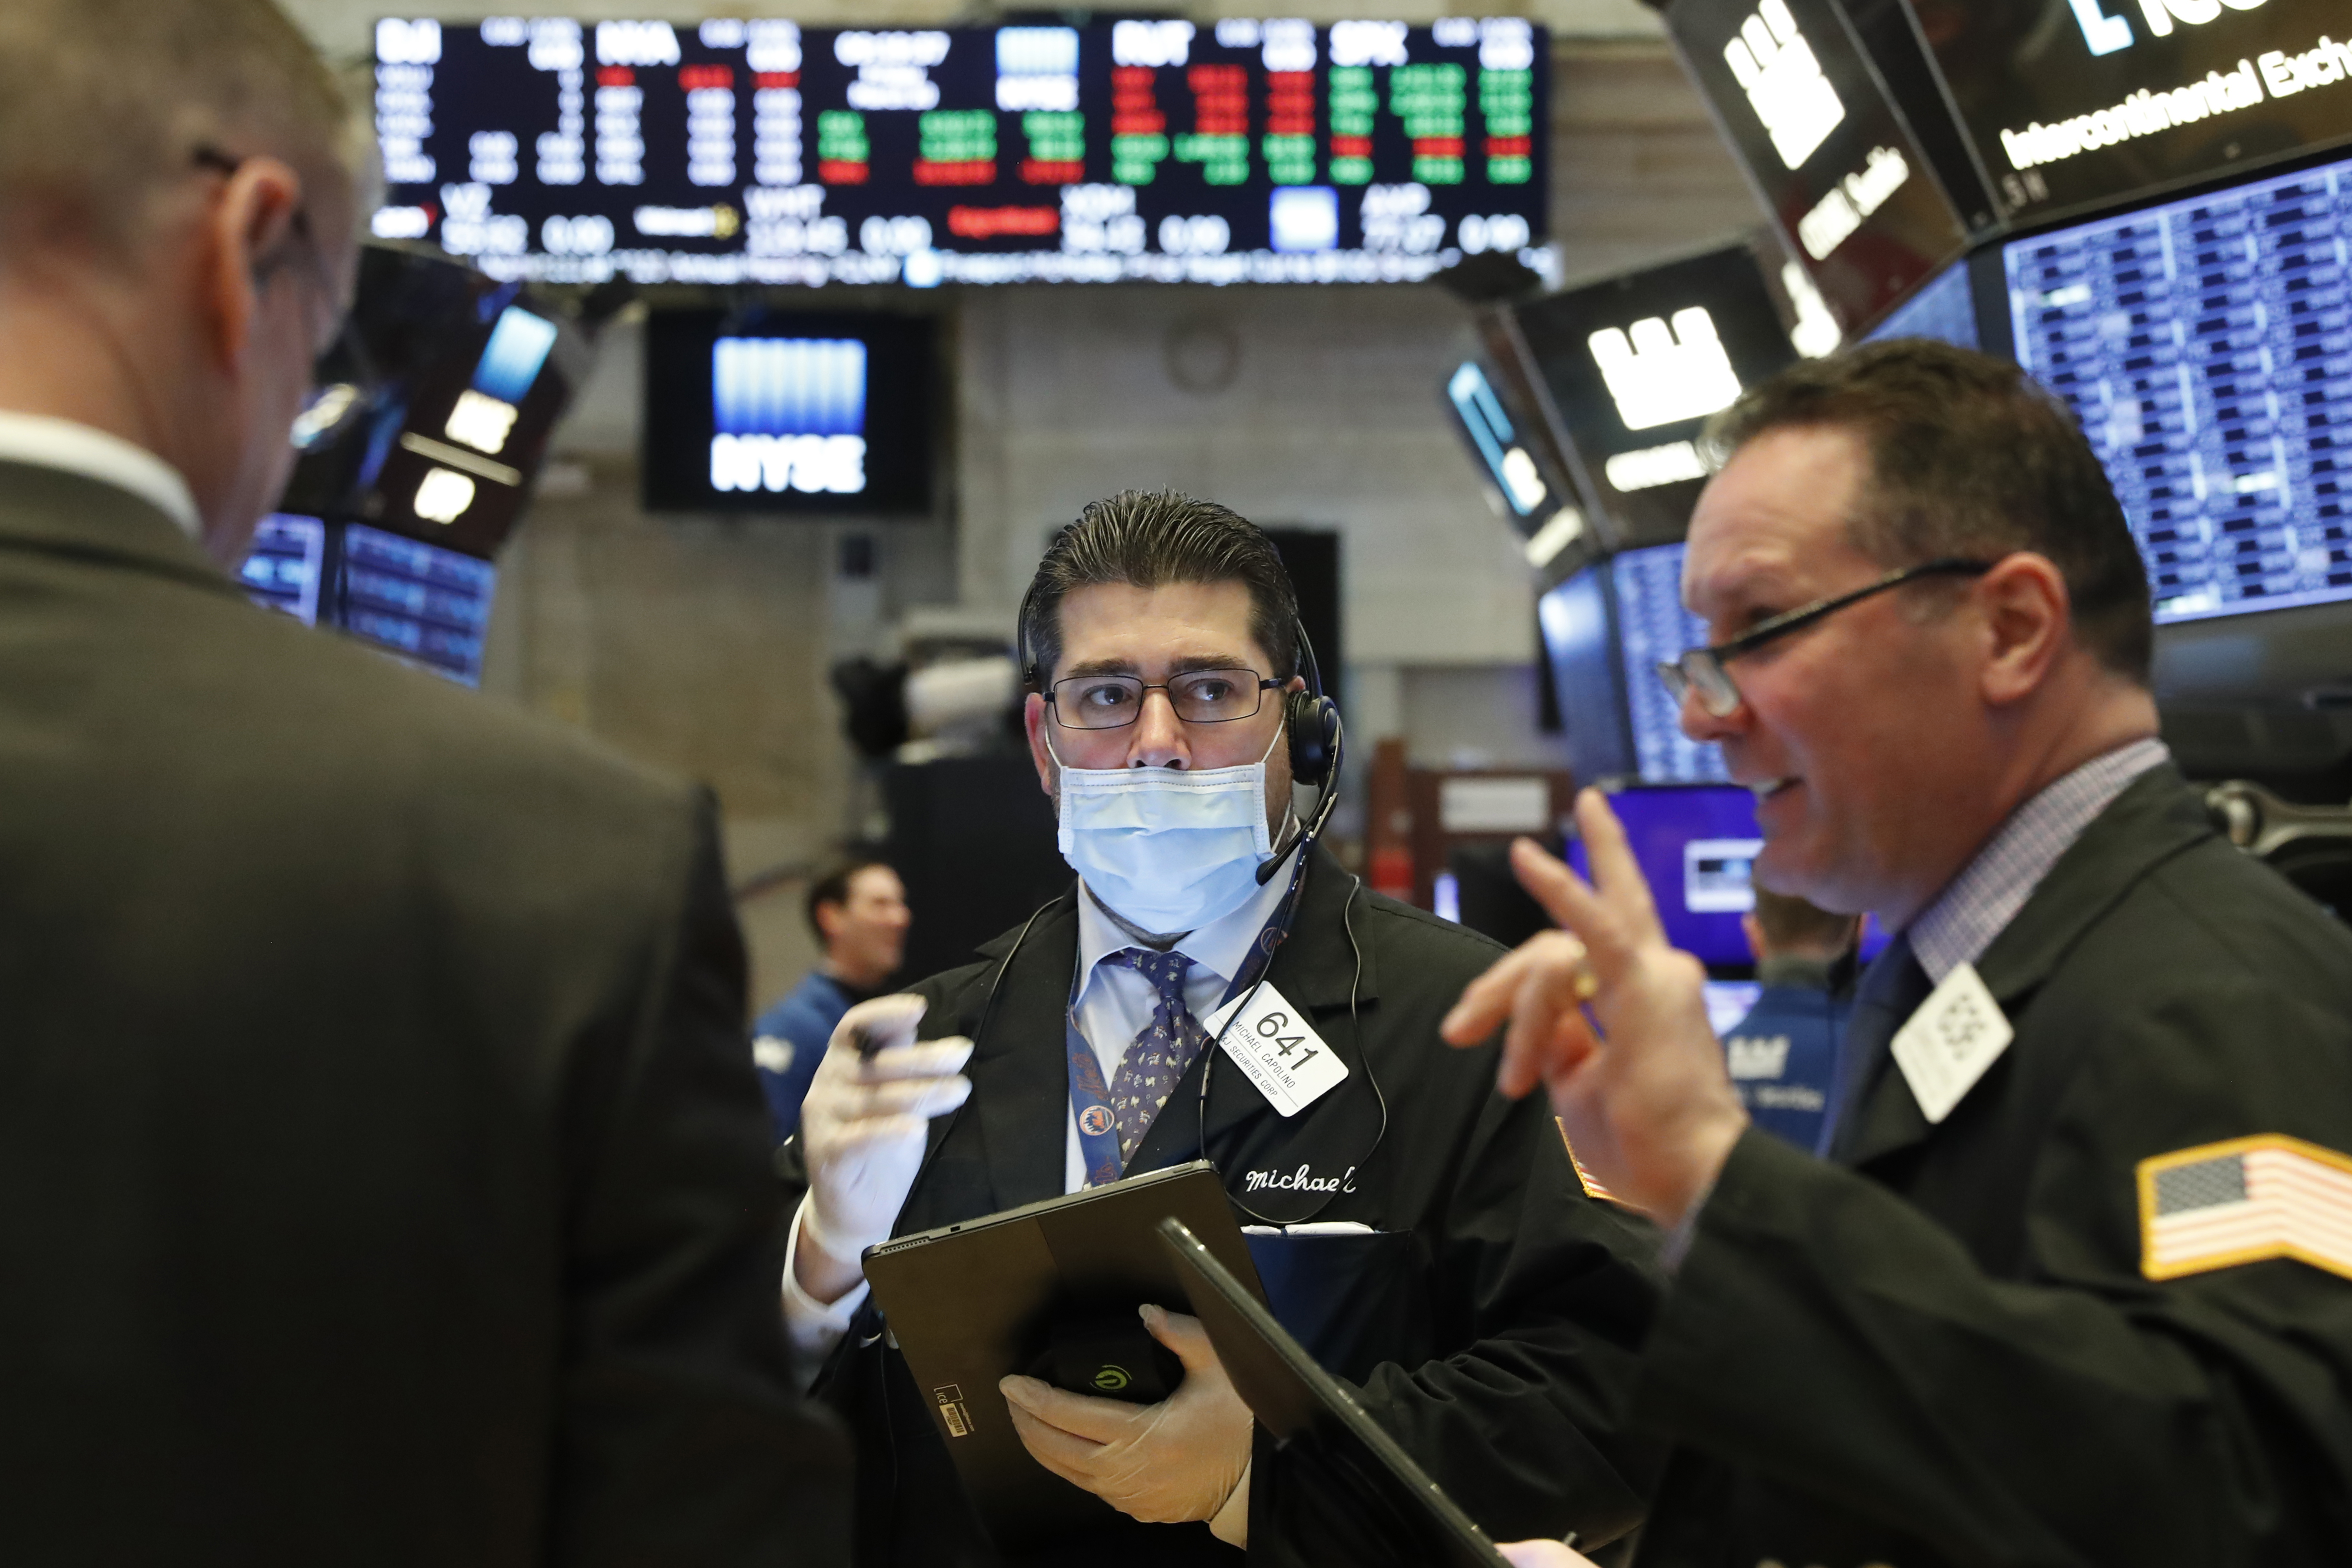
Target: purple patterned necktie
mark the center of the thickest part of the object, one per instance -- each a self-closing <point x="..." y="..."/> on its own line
<point x="1165" y="1046"/>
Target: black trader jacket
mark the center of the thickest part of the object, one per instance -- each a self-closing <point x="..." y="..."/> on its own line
<point x="1490" y="1324"/>
<point x="1948" y="1354"/>
<point x="384" y="1179"/>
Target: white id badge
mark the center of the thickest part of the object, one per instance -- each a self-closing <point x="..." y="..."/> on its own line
<point x="1955" y="1034"/>
<point x="1283" y="1054"/>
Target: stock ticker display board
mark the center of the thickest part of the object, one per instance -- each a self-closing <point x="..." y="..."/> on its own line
<point x="761" y="151"/>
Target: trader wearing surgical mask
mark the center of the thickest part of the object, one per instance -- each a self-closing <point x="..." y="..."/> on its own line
<point x="1427" y="1240"/>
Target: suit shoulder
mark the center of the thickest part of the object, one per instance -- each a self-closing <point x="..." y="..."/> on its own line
<point x="1426" y="937"/>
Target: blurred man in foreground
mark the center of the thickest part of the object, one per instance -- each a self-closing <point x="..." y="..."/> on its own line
<point x="2076" y="1287"/>
<point x="383" y="1172"/>
<point x="857" y="911"/>
<point x="1784" y="1055"/>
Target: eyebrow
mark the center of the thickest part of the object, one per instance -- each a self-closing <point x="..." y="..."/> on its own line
<point x="1189" y="663"/>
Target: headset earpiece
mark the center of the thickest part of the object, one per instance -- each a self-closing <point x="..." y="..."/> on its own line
<point x="1314" y="722"/>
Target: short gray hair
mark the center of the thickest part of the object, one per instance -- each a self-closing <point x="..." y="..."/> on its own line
<point x="1150" y="537"/>
<point x="104" y="101"/>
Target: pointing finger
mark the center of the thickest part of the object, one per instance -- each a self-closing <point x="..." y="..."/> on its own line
<point x="1618" y="876"/>
<point x="1183" y="1334"/>
<point x="1096" y="1420"/>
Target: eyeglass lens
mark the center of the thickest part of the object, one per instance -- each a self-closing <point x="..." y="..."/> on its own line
<point x="1199" y="697"/>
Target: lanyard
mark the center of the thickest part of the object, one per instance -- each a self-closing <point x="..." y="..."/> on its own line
<point x="1090" y="1096"/>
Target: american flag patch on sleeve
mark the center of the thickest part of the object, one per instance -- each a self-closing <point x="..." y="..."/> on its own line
<point x="2243" y="1200"/>
<point x="1593" y="1189"/>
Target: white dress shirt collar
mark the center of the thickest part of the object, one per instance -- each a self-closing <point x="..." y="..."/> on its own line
<point x="76" y="448"/>
<point x="1221" y="947"/>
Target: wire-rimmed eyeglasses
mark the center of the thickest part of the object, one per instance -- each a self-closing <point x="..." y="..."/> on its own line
<point x="1198" y="696"/>
<point x="1701" y="669"/>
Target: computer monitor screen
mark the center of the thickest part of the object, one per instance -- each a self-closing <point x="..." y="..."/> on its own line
<point x="286" y="566"/>
<point x="2079" y="106"/>
<point x="763" y="152"/>
<point x="1813" y="123"/>
<point x="1501" y="452"/>
<point x="2205" y="346"/>
<point x="1945" y="310"/>
<point x="1636" y="363"/>
<point x="1695" y="846"/>
<point x="429" y="605"/>
<point x="1654" y="628"/>
<point x="789" y="411"/>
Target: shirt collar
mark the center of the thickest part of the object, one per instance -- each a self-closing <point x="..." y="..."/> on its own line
<point x="1221" y="947"/>
<point x="1971" y="910"/>
<point x="42" y="442"/>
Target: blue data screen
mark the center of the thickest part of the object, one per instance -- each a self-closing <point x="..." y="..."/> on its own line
<point x="2205" y="346"/>
<point x="1652" y="627"/>
<point x="427" y="604"/>
<point x="1945" y="310"/>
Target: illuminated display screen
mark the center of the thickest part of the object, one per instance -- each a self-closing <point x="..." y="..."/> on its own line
<point x="1635" y="365"/>
<point x="286" y="566"/>
<point x="1507" y="462"/>
<point x="2206" y="347"/>
<point x="1832" y="158"/>
<point x="787" y="411"/>
<point x="761" y="151"/>
<point x="2075" y="103"/>
<point x="1654" y="628"/>
<point x="429" y="605"/>
<point x="1696" y="849"/>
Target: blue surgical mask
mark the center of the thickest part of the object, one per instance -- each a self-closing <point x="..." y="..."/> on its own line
<point x="1169" y="850"/>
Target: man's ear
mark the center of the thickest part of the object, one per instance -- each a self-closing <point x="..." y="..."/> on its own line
<point x="829" y="917"/>
<point x="248" y="232"/>
<point x="1033" y="720"/>
<point x="2027" y="624"/>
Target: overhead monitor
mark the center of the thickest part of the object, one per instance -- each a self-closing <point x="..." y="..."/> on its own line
<point x="761" y="151"/>
<point x="2205" y="346"/>
<point x="1634" y="365"/>
<point x="1696" y="847"/>
<point x="1605" y="631"/>
<point x="441" y="433"/>
<point x="1516" y="481"/>
<point x="1830" y="153"/>
<point x="426" y="604"/>
<point x="789" y="411"/>
<point x="2077" y="104"/>
<point x="286" y="567"/>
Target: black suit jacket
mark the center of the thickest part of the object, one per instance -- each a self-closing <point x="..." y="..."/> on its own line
<point x="1950" y="1353"/>
<point x="1491" y="1324"/>
<point x="382" y="1176"/>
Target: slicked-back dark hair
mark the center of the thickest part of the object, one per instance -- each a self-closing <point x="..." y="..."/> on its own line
<point x="1148" y="538"/>
<point x="1971" y="458"/>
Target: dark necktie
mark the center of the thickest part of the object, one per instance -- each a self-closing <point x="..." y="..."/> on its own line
<point x="1162" y="1051"/>
<point x="1891" y="991"/>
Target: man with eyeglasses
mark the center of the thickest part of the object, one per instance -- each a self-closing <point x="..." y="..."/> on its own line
<point x="2075" y="1285"/>
<point x="1426" y="1239"/>
<point x="383" y="1174"/>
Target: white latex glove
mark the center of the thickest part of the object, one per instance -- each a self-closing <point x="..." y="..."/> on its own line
<point x="862" y="1131"/>
<point x="1543" y="1554"/>
<point x="1183" y="1459"/>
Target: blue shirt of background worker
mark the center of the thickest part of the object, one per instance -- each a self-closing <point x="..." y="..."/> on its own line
<point x="858" y="912"/>
<point x="1782" y="1056"/>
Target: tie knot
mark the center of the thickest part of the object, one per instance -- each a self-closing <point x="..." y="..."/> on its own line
<point x="1164" y="970"/>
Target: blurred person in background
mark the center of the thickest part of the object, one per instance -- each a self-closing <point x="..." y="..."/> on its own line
<point x="1784" y="1055"/>
<point x="383" y="1178"/>
<point x="857" y="911"/>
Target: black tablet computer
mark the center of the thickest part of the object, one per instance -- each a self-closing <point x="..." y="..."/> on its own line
<point x="1381" y="1508"/>
<point x="967" y="1304"/>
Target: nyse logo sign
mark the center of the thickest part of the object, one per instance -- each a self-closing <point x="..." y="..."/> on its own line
<point x="1662" y="376"/>
<point x="1777" y="68"/>
<point x="2106" y="34"/>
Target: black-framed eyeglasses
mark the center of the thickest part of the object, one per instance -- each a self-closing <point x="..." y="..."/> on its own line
<point x="1198" y="696"/>
<point x="343" y="379"/>
<point x="1701" y="669"/>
